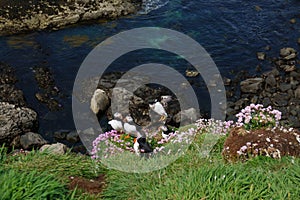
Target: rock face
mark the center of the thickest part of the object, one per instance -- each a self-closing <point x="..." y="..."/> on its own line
<point x="15" y="121"/>
<point x="19" y="16"/>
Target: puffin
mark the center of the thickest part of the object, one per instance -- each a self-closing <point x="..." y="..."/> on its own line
<point x="165" y="131"/>
<point x="165" y="99"/>
<point x="141" y="145"/>
<point x="158" y="108"/>
<point x="140" y="142"/>
<point x="117" y="122"/>
<point x="130" y="127"/>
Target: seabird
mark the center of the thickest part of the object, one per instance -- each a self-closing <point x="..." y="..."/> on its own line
<point x="141" y="145"/>
<point x="165" y="99"/>
<point x="165" y="131"/>
<point x="159" y="109"/>
<point x="130" y="127"/>
<point x="117" y="123"/>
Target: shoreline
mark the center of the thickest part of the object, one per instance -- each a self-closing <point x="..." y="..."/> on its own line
<point x="18" y="17"/>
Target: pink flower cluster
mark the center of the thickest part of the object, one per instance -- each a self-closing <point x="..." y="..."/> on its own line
<point x="256" y="116"/>
<point x="111" y="143"/>
<point x="105" y="144"/>
<point x="214" y="126"/>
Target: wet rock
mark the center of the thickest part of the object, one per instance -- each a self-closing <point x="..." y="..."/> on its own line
<point x="9" y="93"/>
<point x="241" y="103"/>
<point x="280" y="99"/>
<point x="291" y="56"/>
<point x="7" y="75"/>
<point x="251" y="85"/>
<point x="285" y="87"/>
<point x="99" y="101"/>
<point x="284" y="52"/>
<point x="266" y="102"/>
<point x="57" y="148"/>
<point x="49" y="91"/>
<point x="271" y="81"/>
<point x="293" y="20"/>
<point x="295" y="75"/>
<point x="73" y="137"/>
<point x="297" y="92"/>
<point x="294" y="121"/>
<point x="61" y="134"/>
<point x="261" y="55"/>
<point x="15" y="121"/>
<point x="288" y="68"/>
<point x="226" y="81"/>
<point x="32" y="140"/>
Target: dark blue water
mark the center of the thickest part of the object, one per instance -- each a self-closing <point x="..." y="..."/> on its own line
<point x="231" y="31"/>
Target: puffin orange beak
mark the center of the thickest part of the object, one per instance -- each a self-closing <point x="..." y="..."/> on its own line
<point x="134" y="140"/>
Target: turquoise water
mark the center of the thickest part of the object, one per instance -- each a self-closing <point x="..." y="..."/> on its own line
<point x="231" y="31"/>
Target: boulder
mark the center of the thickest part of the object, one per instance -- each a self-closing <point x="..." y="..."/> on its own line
<point x="57" y="148"/>
<point x="15" y="121"/>
<point x="251" y="85"/>
<point x="31" y="140"/>
<point x="100" y="101"/>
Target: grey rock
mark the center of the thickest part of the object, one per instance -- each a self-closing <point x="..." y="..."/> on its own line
<point x="61" y="134"/>
<point x="291" y="56"/>
<point x="266" y="102"/>
<point x="297" y="92"/>
<point x="261" y="55"/>
<point x="294" y="121"/>
<point x="32" y="140"/>
<point x="73" y="137"/>
<point x="280" y="99"/>
<point x="251" y="85"/>
<point x="295" y="75"/>
<point x="294" y="112"/>
<point x="284" y="87"/>
<point x="254" y="99"/>
<point x="287" y="51"/>
<point x="241" y="103"/>
<point x="271" y="81"/>
<point x="100" y="101"/>
<point x="15" y="121"/>
<point x="57" y="148"/>
<point x="186" y="116"/>
<point x="288" y="68"/>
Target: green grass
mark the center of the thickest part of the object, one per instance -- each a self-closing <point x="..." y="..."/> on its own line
<point x="191" y="176"/>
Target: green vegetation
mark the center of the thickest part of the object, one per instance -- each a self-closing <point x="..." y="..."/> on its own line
<point x="189" y="177"/>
